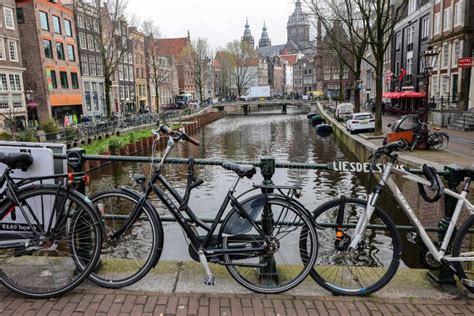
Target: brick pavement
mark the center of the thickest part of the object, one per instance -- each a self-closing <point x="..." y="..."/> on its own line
<point x="98" y="301"/>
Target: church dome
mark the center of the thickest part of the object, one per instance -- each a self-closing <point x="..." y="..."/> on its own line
<point x="264" y="39"/>
<point x="298" y="17"/>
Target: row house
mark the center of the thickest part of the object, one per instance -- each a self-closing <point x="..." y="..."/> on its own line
<point x="275" y="74"/>
<point x="452" y="37"/>
<point x="304" y="76"/>
<point x="288" y="62"/>
<point x="138" y="39"/>
<point x="53" y="75"/>
<point x="222" y="75"/>
<point x="12" y="98"/>
<point x="126" y="73"/>
<point x="88" y="34"/>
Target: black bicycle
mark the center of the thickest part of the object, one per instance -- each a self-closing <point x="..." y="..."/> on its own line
<point x="50" y="235"/>
<point x="258" y="240"/>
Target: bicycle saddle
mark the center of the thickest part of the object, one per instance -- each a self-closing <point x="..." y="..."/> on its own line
<point x="17" y="160"/>
<point x="241" y="170"/>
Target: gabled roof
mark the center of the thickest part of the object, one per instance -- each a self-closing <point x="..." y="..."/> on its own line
<point x="172" y="46"/>
<point x="291" y="59"/>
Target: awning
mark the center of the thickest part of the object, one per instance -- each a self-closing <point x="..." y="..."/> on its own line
<point x="404" y="94"/>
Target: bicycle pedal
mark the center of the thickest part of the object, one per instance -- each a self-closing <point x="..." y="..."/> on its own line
<point x="209" y="280"/>
<point x="467" y="282"/>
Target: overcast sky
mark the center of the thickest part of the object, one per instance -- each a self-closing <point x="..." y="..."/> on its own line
<point x="220" y="21"/>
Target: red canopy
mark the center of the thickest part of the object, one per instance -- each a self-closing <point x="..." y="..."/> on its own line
<point x="404" y="94"/>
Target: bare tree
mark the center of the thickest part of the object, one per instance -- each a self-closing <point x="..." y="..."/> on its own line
<point x="243" y="71"/>
<point x="200" y="56"/>
<point x="224" y="71"/>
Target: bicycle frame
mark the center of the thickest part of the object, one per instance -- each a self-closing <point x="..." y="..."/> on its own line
<point x="387" y="181"/>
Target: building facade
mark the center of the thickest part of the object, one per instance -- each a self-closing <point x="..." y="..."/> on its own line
<point x="90" y="57"/>
<point x="12" y="97"/>
<point x="141" y="94"/>
<point x="53" y="72"/>
<point x="304" y="76"/>
<point x="126" y="73"/>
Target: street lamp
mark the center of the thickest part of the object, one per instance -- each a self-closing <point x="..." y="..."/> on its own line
<point x="428" y="61"/>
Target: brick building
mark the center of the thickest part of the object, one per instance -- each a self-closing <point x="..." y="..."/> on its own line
<point x="141" y="94"/>
<point x="49" y="51"/>
<point x="86" y="17"/>
<point x="12" y="98"/>
<point x="126" y="73"/>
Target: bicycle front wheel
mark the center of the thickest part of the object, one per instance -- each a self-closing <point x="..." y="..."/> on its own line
<point x="126" y="258"/>
<point x="275" y="266"/>
<point x="368" y="267"/>
<point x="463" y="246"/>
<point x="439" y="141"/>
<point x="49" y="265"/>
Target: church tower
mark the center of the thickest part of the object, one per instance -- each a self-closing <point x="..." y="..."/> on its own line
<point x="248" y="38"/>
<point x="264" y="39"/>
<point x="298" y="27"/>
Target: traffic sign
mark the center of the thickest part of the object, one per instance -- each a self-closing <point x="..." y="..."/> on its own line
<point x="465" y="62"/>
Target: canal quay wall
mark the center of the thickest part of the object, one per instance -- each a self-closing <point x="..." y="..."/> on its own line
<point x="191" y="125"/>
<point x="429" y="214"/>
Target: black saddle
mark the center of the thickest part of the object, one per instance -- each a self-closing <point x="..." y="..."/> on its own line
<point x="17" y="160"/>
<point x="241" y="170"/>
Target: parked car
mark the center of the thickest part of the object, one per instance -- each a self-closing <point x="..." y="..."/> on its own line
<point x="344" y="111"/>
<point x="360" y="121"/>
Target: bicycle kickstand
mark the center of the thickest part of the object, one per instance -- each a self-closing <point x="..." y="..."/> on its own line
<point x="209" y="279"/>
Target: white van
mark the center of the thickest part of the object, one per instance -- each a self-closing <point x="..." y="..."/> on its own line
<point x="344" y="111"/>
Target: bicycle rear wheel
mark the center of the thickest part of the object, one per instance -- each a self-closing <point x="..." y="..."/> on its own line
<point x="439" y="141"/>
<point x="365" y="269"/>
<point x="463" y="246"/>
<point x="279" y="266"/>
<point x="127" y="258"/>
<point x="55" y="264"/>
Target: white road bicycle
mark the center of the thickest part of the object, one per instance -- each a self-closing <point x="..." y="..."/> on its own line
<point x="359" y="244"/>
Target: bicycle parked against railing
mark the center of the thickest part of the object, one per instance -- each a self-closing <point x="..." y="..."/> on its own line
<point x="50" y="236"/>
<point x="359" y="250"/>
<point x="258" y="240"/>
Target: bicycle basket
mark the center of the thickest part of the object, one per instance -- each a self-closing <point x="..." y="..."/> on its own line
<point x="238" y="224"/>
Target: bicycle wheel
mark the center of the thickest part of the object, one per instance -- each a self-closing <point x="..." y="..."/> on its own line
<point x="438" y="141"/>
<point x="57" y="263"/>
<point x="365" y="269"/>
<point x="127" y="258"/>
<point x="278" y="266"/>
<point x="463" y="246"/>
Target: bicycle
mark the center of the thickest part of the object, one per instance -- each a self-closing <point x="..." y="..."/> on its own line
<point x="361" y="244"/>
<point x="257" y="240"/>
<point x="50" y="235"/>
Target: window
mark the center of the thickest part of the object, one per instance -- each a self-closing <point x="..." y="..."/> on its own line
<point x="458" y="13"/>
<point x="44" y="21"/>
<point x="71" y="55"/>
<point x="60" y="51"/>
<point x="345" y="73"/>
<point x="20" y="17"/>
<point x="80" y="21"/>
<point x="100" y="71"/>
<point x="96" y="44"/>
<point x="87" y="93"/>
<point x="3" y="82"/>
<point x="48" y="49"/>
<point x="445" y="55"/>
<point x="120" y="72"/>
<point x="85" y="65"/>
<point x="82" y="40"/>
<point x="335" y="73"/>
<point x="409" y="67"/>
<point x="398" y="41"/>
<point x="9" y="22"/>
<point x="411" y="6"/>
<point x="92" y="69"/>
<point x="456" y="52"/>
<point x="13" y="50"/>
<point x="4" y="104"/>
<point x="410" y="32"/>
<point x="437" y="23"/>
<point x="130" y="71"/>
<point x="122" y="92"/>
<point x="15" y="82"/>
<point x="2" y="50"/>
<point x="74" y="80"/>
<point x="434" y="86"/>
<point x="425" y="28"/>
<point x="68" y="28"/>
<point x="17" y="100"/>
<point x="56" y="24"/>
<point x="447" y="19"/>
<point x="90" y="42"/>
<point x="444" y="84"/>
<point x="54" y="80"/>
<point x="63" y="78"/>
<point x="127" y="93"/>
<point x="95" y="99"/>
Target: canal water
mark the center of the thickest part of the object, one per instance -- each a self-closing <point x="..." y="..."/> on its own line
<point x="288" y="138"/>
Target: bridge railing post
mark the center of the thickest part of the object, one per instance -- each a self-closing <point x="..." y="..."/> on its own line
<point x="454" y="178"/>
<point x="267" y="169"/>
<point x="75" y="160"/>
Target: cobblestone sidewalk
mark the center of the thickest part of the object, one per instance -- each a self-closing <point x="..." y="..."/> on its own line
<point x="120" y="302"/>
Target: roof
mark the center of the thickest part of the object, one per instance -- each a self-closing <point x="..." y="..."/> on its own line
<point x="291" y="59"/>
<point x="267" y="51"/>
<point x="171" y="46"/>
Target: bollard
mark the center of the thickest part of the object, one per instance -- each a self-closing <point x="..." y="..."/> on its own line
<point x="267" y="168"/>
<point x="454" y="179"/>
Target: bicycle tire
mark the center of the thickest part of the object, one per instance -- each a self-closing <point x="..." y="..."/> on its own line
<point x="326" y="235"/>
<point x="237" y="229"/>
<point x="439" y="141"/>
<point x="133" y="243"/>
<point x="459" y="244"/>
<point x="26" y="273"/>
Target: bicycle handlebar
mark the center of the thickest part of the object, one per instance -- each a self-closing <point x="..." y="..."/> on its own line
<point x="177" y="135"/>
